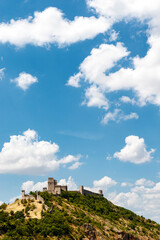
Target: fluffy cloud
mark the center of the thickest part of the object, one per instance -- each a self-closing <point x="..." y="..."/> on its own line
<point x="93" y="69"/>
<point x="50" y="26"/>
<point x="25" y="154"/>
<point x="126" y="99"/>
<point x="31" y="186"/>
<point x="143" y="78"/>
<point x="126" y="184"/>
<point x="100" y="60"/>
<point x="104" y="183"/>
<point x="74" y="80"/>
<point x="1" y="203"/>
<point x="119" y="9"/>
<point x="75" y="165"/>
<point x="94" y="97"/>
<point x="70" y="183"/>
<point x="2" y="73"/>
<point x="117" y="115"/>
<point x="134" y="151"/>
<point x="144" y="182"/>
<point x="143" y="200"/>
<point x="24" y="80"/>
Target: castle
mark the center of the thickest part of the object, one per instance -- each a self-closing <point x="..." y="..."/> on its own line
<point x="56" y="190"/>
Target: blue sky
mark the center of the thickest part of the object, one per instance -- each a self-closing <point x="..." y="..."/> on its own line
<point x="80" y="98"/>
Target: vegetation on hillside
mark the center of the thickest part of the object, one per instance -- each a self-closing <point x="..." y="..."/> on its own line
<point x="74" y="216"/>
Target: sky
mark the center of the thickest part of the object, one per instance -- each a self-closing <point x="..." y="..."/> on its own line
<point x="80" y="98"/>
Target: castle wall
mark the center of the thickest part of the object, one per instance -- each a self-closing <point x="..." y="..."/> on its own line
<point x="87" y="192"/>
<point x="39" y="198"/>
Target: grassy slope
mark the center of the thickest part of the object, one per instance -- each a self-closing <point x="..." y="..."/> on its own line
<point x="73" y="216"/>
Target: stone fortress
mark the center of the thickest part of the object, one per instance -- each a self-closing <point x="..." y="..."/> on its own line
<point x="56" y="190"/>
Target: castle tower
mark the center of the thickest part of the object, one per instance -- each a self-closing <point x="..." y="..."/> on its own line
<point x="81" y="190"/>
<point x="51" y="184"/>
<point x="23" y="194"/>
<point x="100" y="192"/>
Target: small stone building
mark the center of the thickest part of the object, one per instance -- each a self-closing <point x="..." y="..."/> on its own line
<point x="54" y="188"/>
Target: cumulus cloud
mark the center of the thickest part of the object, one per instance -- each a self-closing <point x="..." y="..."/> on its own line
<point x="31" y="186"/>
<point x="25" y="154"/>
<point x="1" y="203"/>
<point x="94" y="97"/>
<point x="126" y="99"/>
<point x="104" y="183"/>
<point x="100" y="60"/>
<point x="126" y="184"/>
<point x="70" y="183"/>
<point x="2" y="73"/>
<point x="24" y="80"/>
<point x="143" y="78"/>
<point x="119" y="9"/>
<point x="75" y="165"/>
<point x="93" y="69"/>
<point x="51" y="26"/>
<point x="117" y="115"/>
<point x="144" y="200"/>
<point x="74" y="80"/>
<point x="144" y="182"/>
<point x="134" y="151"/>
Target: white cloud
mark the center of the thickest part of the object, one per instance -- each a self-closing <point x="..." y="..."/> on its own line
<point x="126" y="184"/>
<point x="70" y="159"/>
<point x="134" y="151"/>
<point x="93" y="69"/>
<point x="25" y="154"/>
<point x="100" y="60"/>
<point x="14" y="198"/>
<point x="1" y="203"/>
<point x="119" y="9"/>
<point x="31" y="186"/>
<point x="117" y="115"/>
<point x="104" y="183"/>
<point x="143" y="78"/>
<point x="75" y="165"/>
<point x="113" y="35"/>
<point x="2" y="73"/>
<point x="144" y="182"/>
<point x="70" y="183"/>
<point x="50" y="26"/>
<point x="74" y="81"/>
<point x="126" y="99"/>
<point x="24" y="80"/>
<point x="94" y="97"/>
<point x="142" y="200"/>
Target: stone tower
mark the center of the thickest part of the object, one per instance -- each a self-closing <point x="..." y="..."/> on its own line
<point x="51" y="184"/>
<point x="81" y="190"/>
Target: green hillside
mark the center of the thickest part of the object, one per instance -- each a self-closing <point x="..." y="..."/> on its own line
<point x="73" y="216"/>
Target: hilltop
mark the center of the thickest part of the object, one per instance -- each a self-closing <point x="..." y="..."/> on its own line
<point x="73" y="216"/>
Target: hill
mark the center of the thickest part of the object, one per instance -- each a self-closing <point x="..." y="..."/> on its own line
<point x="73" y="216"/>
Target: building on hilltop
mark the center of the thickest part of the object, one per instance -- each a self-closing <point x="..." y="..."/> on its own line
<point x="56" y="190"/>
<point x="31" y="197"/>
